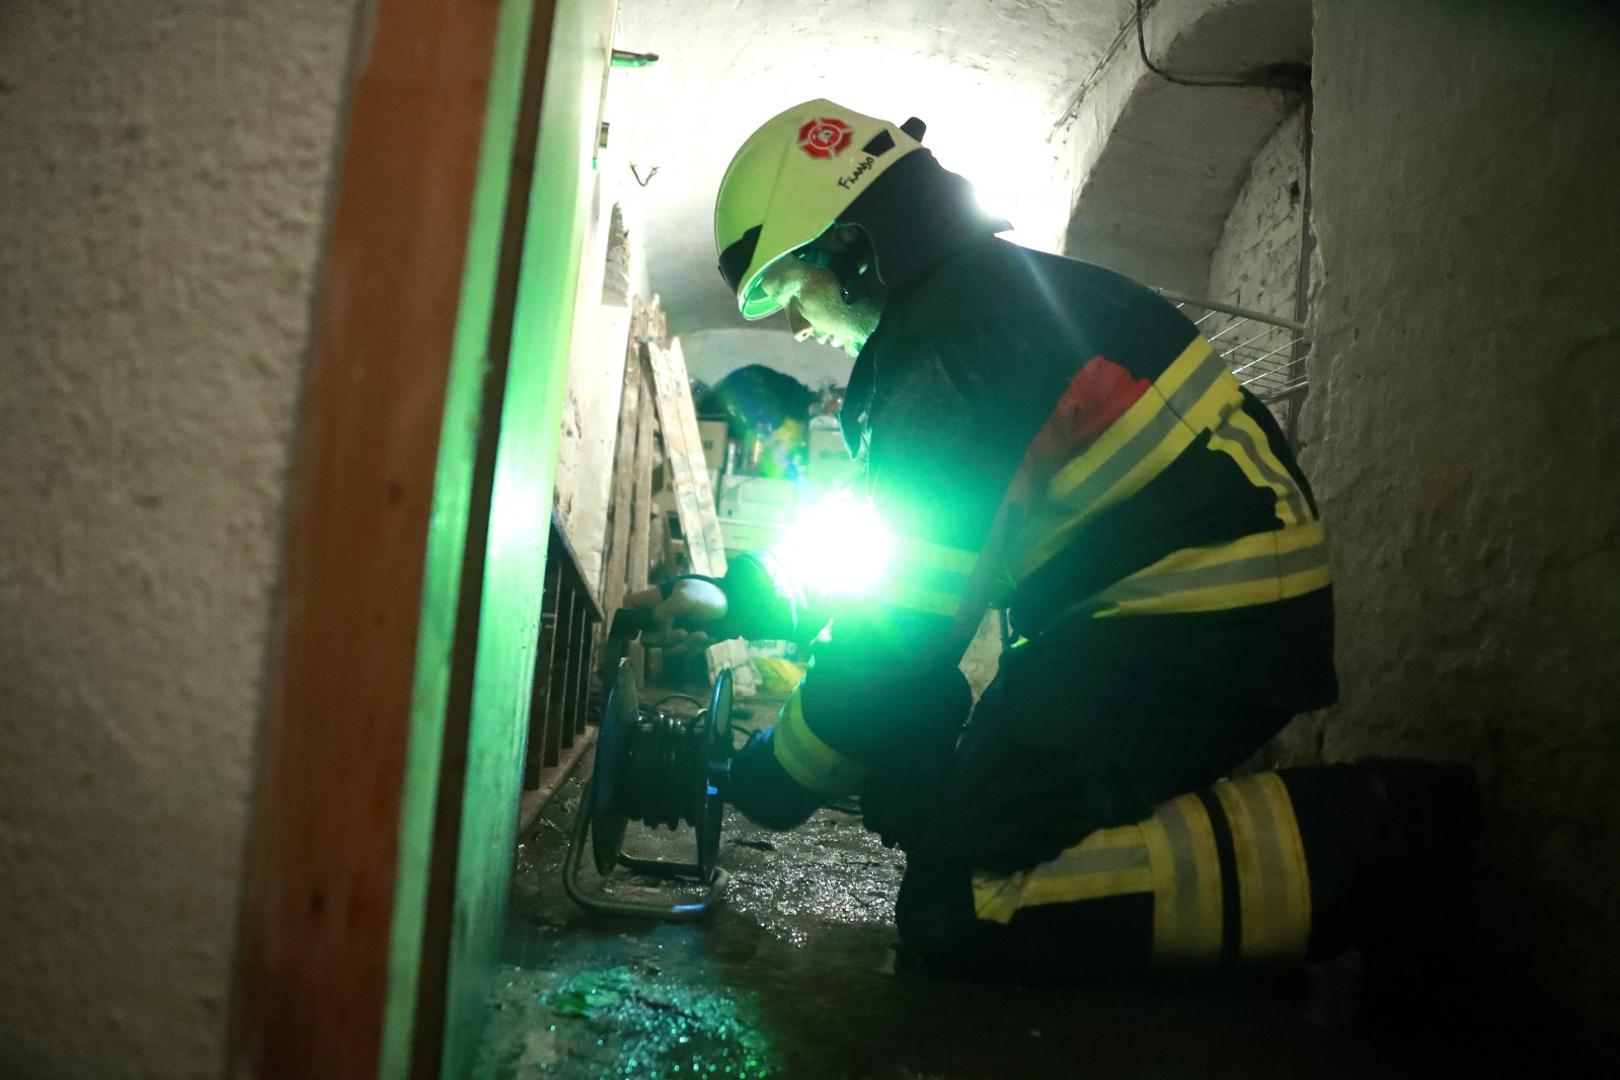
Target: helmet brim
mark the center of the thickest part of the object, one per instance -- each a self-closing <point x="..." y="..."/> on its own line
<point x="785" y="187"/>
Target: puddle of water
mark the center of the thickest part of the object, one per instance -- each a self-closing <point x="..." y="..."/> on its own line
<point x="828" y="872"/>
<point x="625" y="1021"/>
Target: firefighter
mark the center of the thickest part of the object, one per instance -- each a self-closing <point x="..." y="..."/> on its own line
<point x="1041" y="435"/>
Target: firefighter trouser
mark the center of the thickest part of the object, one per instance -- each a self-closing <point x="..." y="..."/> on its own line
<point x="1267" y="870"/>
<point x="1076" y="736"/>
<point x="1066" y="740"/>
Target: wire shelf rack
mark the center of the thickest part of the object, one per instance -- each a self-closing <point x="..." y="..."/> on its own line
<point x="1267" y="354"/>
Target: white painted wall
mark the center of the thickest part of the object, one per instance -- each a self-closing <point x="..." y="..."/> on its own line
<point x="162" y="192"/>
<point x="1256" y="262"/>
<point x="590" y="416"/>
<point x="590" y="422"/>
<point x="1462" y="425"/>
<point x="1156" y="166"/>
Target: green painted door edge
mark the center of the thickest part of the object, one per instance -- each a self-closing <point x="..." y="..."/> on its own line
<point x="520" y="519"/>
<point x="447" y="532"/>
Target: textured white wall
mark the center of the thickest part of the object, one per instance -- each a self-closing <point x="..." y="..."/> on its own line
<point x="1463" y="440"/>
<point x="1157" y="166"/>
<point x="162" y="187"/>
<point x="1256" y="263"/>
<point x="590" y="422"/>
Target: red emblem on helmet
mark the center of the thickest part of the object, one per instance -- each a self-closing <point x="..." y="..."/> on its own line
<point x="825" y="138"/>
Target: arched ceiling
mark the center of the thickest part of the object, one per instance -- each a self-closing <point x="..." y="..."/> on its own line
<point x="1157" y="192"/>
<point x="990" y="77"/>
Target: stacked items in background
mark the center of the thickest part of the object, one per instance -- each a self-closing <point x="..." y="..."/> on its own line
<point x="771" y="444"/>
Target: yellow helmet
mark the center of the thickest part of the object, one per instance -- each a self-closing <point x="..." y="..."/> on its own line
<point x="790" y="182"/>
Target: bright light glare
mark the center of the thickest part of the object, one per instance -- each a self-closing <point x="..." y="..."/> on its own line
<point x="1005" y="197"/>
<point x="839" y="546"/>
<point x="988" y="201"/>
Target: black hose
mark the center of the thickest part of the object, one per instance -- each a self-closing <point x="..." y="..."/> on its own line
<point x="664" y="764"/>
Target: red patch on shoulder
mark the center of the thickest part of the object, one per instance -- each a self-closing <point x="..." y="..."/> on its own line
<point x="1099" y="394"/>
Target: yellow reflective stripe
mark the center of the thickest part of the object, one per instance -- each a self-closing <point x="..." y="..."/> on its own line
<point x="1273" y="883"/>
<point x="1109" y="862"/>
<point x="1125" y="431"/>
<point x="934" y="602"/>
<point x="811" y="762"/>
<point x="928" y="577"/>
<point x="996" y="896"/>
<point x="1257" y="569"/>
<point x="936" y="556"/>
<point x="1191" y="396"/>
<point x="1240" y="438"/>
<point x="1173" y="855"/>
<point x="1186" y="884"/>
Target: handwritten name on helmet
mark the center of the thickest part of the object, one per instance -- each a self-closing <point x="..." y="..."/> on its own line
<point x="860" y="170"/>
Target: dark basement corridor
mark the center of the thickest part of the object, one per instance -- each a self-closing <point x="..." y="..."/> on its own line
<point x="795" y="976"/>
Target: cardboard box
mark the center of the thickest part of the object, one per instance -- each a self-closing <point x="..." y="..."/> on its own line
<point x="766" y="491"/>
<point x="757" y="498"/>
<point x="713" y="434"/>
<point x="739" y="535"/>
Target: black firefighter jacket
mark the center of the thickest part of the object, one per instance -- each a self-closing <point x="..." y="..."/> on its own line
<point x="1048" y="436"/>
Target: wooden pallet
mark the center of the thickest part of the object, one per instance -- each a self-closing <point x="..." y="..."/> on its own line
<point x="659" y="438"/>
<point x="683" y="447"/>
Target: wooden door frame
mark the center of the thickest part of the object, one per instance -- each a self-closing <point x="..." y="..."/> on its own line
<point x="322" y="863"/>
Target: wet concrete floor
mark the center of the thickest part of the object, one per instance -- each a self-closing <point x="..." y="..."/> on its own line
<point x="795" y="977"/>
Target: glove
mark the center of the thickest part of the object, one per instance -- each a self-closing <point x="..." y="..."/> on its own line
<point x="686" y="614"/>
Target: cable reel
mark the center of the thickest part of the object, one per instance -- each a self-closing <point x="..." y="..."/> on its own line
<point x="662" y="769"/>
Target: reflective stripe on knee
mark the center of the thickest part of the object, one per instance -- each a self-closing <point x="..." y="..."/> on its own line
<point x="1226" y="869"/>
<point x="1273" y="882"/>
<point x="1253" y="820"/>
<point x="1186" y="883"/>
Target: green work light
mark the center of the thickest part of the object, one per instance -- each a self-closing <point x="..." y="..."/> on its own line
<point x="838" y="546"/>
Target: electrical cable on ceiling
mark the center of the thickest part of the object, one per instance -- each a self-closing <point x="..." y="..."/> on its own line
<point x="1293" y="77"/>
